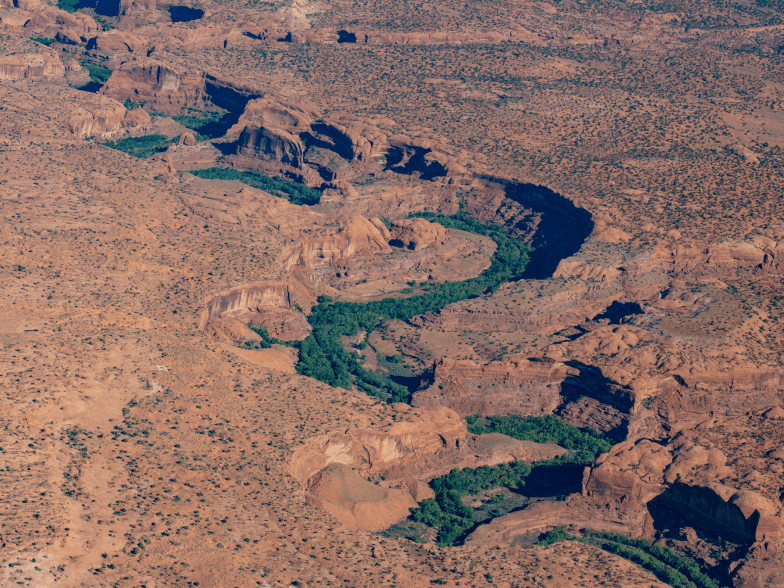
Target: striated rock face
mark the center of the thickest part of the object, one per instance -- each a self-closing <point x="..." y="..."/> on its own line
<point x="118" y="42"/>
<point x="336" y="148"/>
<point x="356" y="502"/>
<point x="30" y="66"/>
<point x="271" y="129"/>
<point x="358" y="236"/>
<point x="423" y="432"/>
<point x="96" y="119"/>
<point x="512" y="386"/>
<point x="149" y="81"/>
<point x="418" y="233"/>
<point x="266" y="305"/>
<point x="279" y="131"/>
<point x="245" y="298"/>
<point x="274" y="143"/>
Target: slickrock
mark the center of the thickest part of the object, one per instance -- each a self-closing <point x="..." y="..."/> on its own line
<point x="146" y="80"/>
<point x="357" y="236"/>
<point x="98" y="118"/>
<point x="418" y="233"/>
<point x="357" y="502"/>
<point x="30" y="66"/>
<point x="118" y="42"/>
<point x="418" y="433"/>
<point x="512" y="386"/>
<point x="136" y="117"/>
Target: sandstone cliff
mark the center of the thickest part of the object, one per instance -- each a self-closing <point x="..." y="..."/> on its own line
<point x="30" y="66"/>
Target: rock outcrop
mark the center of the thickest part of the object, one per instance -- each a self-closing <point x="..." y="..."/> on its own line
<point x="358" y="236"/>
<point x="356" y="502"/>
<point x="96" y="118"/>
<point x="148" y="81"/>
<point x="136" y="117"/>
<point x="268" y="305"/>
<point x="685" y="476"/>
<point x="513" y="386"/>
<point x="30" y="66"/>
<point x="40" y="17"/>
<point x="118" y="42"/>
<point x="418" y="233"/>
<point x="417" y="434"/>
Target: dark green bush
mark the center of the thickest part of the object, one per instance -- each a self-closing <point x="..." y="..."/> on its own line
<point x="587" y="443"/>
<point x="555" y="536"/>
<point x="142" y="146"/>
<point x="291" y="191"/>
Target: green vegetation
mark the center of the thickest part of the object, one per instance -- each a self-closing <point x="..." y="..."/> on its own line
<point x="668" y="566"/>
<point x="98" y="77"/>
<point x="69" y="5"/>
<point x="142" y="146"/>
<point x="555" y="536"/>
<point x="205" y="125"/>
<point x="322" y="354"/>
<point x="292" y="191"/>
<point x="447" y="511"/>
<point x="266" y="340"/>
<point x="98" y="74"/>
<point x="42" y="40"/>
<point x="587" y="443"/>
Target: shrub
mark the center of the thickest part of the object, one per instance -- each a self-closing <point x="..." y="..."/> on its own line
<point x="294" y="192"/>
<point x="556" y="535"/>
<point x="585" y="442"/>
<point x="141" y="146"/>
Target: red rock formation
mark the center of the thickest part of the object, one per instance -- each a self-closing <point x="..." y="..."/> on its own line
<point x="136" y="117"/>
<point x="420" y="433"/>
<point x="31" y="66"/>
<point x="37" y="16"/>
<point x="418" y="233"/>
<point x="148" y="81"/>
<point x="356" y="502"/>
<point x="358" y="236"/>
<point x="118" y="42"/>
<point x="98" y="117"/>
<point x="513" y="386"/>
<point x="685" y="476"/>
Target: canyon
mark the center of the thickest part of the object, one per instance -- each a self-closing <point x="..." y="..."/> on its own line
<point x="188" y="192"/>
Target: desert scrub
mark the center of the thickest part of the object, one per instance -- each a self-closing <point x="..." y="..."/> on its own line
<point x="292" y="191"/>
<point x="322" y="354"/>
<point x="142" y="146"/>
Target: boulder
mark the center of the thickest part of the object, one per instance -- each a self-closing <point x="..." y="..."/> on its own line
<point x="418" y="233"/>
<point x="187" y="139"/>
<point x="136" y="117"/>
